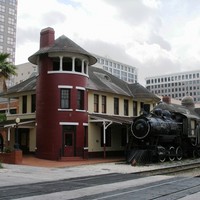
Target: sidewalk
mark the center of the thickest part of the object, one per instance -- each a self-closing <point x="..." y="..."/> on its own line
<point x="34" y="170"/>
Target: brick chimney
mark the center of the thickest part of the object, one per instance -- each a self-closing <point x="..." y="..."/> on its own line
<point x="47" y="37"/>
<point x="166" y="99"/>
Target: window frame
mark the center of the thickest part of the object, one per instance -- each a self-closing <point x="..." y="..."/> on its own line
<point x="126" y="107"/>
<point x="116" y="106"/>
<point x="65" y="101"/>
<point x="104" y="104"/>
<point x="80" y="99"/>
<point x="24" y="104"/>
<point x="96" y="103"/>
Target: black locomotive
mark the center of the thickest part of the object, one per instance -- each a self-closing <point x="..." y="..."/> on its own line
<point x="168" y="132"/>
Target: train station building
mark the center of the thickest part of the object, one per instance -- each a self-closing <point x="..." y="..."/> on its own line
<point x="71" y="110"/>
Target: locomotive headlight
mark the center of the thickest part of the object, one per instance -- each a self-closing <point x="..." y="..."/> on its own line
<point x="140" y="128"/>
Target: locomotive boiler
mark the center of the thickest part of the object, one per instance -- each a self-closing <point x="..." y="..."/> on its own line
<point x="168" y="132"/>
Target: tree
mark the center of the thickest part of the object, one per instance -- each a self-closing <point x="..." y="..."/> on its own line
<point x="6" y="70"/>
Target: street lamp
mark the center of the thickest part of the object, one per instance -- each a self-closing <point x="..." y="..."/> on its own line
<point x="16" y="146"/>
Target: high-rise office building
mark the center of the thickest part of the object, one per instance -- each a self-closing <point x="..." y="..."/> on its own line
<point x="176" y="85"/>
<point x="123" y="71"/>
<point x="8" y="23"/>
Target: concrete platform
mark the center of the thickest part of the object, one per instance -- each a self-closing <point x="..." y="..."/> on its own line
<point x="31" y="160"/>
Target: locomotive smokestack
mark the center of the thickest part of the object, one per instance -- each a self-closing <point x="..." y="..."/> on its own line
<point x="166" y="99"/>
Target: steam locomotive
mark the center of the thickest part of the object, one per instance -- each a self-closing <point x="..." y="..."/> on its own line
<point x="168" y="132"/>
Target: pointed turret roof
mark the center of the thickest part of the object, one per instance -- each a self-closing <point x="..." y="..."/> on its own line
<point x="63" y="44"/>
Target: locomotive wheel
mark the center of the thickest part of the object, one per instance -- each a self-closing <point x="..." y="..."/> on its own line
<point x="172" y="153"/>
<point x="179" y="153"/>
<point x="162" y="154"/>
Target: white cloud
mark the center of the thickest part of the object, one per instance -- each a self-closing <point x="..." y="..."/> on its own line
<point x="156" y="36"/>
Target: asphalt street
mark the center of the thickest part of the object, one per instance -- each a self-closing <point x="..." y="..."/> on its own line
<point x="101" y="181"/>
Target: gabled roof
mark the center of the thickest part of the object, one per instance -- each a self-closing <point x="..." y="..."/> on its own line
<point x="63" y="44"/>
<point x="140" y="92"/>
<point x="99" y="80"/>
<point x="25" y="86"/>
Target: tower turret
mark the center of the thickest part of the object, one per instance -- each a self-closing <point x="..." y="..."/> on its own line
<point x="61" y="97"/>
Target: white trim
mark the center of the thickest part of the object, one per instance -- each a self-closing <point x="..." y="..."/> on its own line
<point x="80" y="88"/>
<point x="65" y="86"/>
<point x="67" y="72"/>
<point x="69" y="123"/>
<point x="77" y="110"/>
<point x="66" y="110"/>
<point x="85" y="124"/>
<point x="20" y="123"/>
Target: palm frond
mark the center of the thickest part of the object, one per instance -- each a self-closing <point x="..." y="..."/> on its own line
<point x="6" y="68"/>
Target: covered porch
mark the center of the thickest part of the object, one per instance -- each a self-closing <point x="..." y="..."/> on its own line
<point x="108" y="135"/>
<point x="18" y="134"/>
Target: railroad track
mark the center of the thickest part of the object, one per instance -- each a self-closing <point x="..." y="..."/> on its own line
<point x="179" y="168"/>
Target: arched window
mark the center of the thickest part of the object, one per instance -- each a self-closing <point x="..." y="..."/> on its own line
<point x="78" y="65"/>
<point x="67" y="64"/>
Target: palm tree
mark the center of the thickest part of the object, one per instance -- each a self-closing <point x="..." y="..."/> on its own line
<point x="6" y="70"/>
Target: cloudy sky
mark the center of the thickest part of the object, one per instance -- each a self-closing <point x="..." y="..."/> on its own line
<point x="155" y="36"/>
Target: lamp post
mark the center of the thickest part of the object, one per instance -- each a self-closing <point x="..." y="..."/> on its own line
<point x="16" y="146"/>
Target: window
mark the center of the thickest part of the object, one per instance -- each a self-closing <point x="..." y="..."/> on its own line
<point x="103" y="104"/>
<point x="78" y="65"/>
<point x="33" y="103"/>
<point x="10" y="41"/>
<point x="2" y="8"/>
<point x="56" y="64"/>
<point x="108" y="137"/>
<point x="135" y="108"/>
<point x="65" y="98"/>
<point x="11" y="11"/>
<point x="1" y="28"/>
<point x="11" y="21"/>
<point x="116" y="106"/>
<point x="2" y="18"/>
<point x="126" y="107"/>
<point x="80" y="99"/>
<point x="96" y="103"/>
<point x="67" y="64"/>
<point x="1" y="38"/>
<point x="24" y="104"/>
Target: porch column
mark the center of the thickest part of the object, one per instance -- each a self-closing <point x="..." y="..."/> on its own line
<point x="73" y="64"/>
<point x="61" y="63"/>
<point x="8" y="135"/>
<point x="104" y="139"/>
<point x="82" y="66"/>
<point x="105" y="126"/>
<point x="127" y="135"/>
<point x="8" y="106"/>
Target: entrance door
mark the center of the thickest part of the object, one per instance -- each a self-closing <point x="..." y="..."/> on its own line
<point x="68" y="139"/>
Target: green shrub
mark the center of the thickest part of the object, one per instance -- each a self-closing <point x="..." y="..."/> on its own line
<point x="2" y="117"/>
<point x="7" y="150"/>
